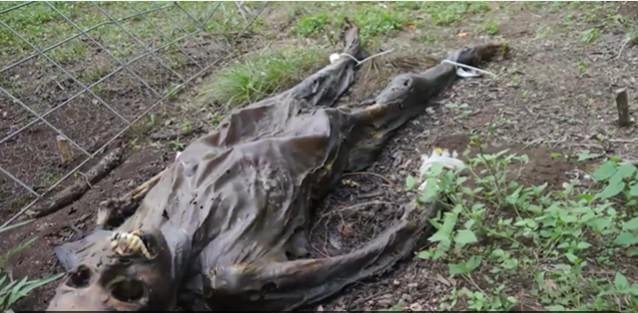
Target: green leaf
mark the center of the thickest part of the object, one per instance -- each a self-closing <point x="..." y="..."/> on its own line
<point x="465" y="267"/>
<point x="425" y="254"/>
<point x="605" y="171"/>
<point x="435" y="170"/>
<point x="631" y="224"/>
<point x="612" y="189"/>
<point x="444" y="234"/>
<point x="633" y="191"/>
<point x="620" y="281"/>
<point x="625" y="170"/>
<point x="626" y="239"/>
<point x="571" y="257"/>
<point x="583" y="245"/>
<point x="556" y="307"/>
<point x="464" y="237"/>
<point x="586" y="155"/>
<point x="600" y="223"/>
<point x="431" y="190"/>
<point x="410" y="182"/>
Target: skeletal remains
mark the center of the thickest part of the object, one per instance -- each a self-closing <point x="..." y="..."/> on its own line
<point x="225" y="225"/>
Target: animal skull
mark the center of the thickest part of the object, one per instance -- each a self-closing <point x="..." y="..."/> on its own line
<point x="119" y="271"/>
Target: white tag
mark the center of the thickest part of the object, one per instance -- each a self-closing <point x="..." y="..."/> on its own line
<point x="334" y="57"/>
<point x="461" y="72"/>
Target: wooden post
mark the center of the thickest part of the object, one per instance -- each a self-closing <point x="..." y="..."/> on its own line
<point x="64" y="149"/>
<point x="622" y="104"/>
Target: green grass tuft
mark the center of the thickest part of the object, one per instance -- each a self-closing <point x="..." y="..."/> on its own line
<point x="448" y="13"/>
<point x="571" y="245"/>
<point x="12" y="290"/>
<point x="490" y="27"/>
<point x="262" y="75"/>
<point x="373" y="21"/>
<point x="310" y="24"/>
<point x="590" y="35"/>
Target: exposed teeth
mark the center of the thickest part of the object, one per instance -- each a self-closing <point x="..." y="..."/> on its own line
<point x="129" y="244"/>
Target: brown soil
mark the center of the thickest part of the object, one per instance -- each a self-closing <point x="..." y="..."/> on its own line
<point x="84" y="119"/>
<point x="541" y="105"/>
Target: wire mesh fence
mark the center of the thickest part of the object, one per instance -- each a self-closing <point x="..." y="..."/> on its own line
<point x="75" y="77"/>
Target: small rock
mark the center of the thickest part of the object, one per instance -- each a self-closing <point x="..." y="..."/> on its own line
<point x="406" y="297"/>
<point x="384" y="302"/>
<point x="396" y="282"/>
<point x="416" y="307"/>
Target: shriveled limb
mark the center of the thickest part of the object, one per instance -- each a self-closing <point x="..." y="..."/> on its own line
<point x="113" y="211"/>
<point x="288" y="285"/>
<point x="406" y="96"/>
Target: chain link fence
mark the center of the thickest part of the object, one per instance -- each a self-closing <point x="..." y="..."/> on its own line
<point x="75" y="77"/>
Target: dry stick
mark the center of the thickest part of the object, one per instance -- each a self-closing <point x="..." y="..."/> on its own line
<point x="81" y="185"/>
<point x="622" y="104"/>
<point x="621" y="140"/>
<point x="64" y="149"/>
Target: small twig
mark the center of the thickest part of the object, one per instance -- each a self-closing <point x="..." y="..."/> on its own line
<point x="623" y="140"/>
<point x="370" y="194"/>
<point x="586" y="145"/>
<point x="81" y="185"/>
<point x="354" y="207"/>
<point x="370" y="173"/>
<point x="365" y="299"/>
<point x="622" y="48"/>
<point x="471" y="280"/>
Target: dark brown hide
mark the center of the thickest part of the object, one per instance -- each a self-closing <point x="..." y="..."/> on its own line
<point x="235" y="206"/>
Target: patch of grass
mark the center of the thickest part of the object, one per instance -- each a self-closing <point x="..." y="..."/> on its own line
<point x="448" y="13"/>
<point x="34" y="22"/>
<point x="427" y="38"/>
<point x="145" y="126"/>
<point x="68" y="53"/>
<point x="490" y="27"/>
<point x="582" y="67"/>
<point x="568" y="248"/>
<point x="543" y="32"/>
<point x="94" y="73"/>
<point x="42" y="26"/>
<point x="590" y="35"/>
<point x="310" y="24"/>
<point x="261" y="75"/>
<point x="12" y="290"/>
<point x="376" y="21"/>
<point x="631" y="37"/>
<point x="372" y="20"/>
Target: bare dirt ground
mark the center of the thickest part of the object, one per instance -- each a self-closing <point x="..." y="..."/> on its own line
<point x="553" y="96"/>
